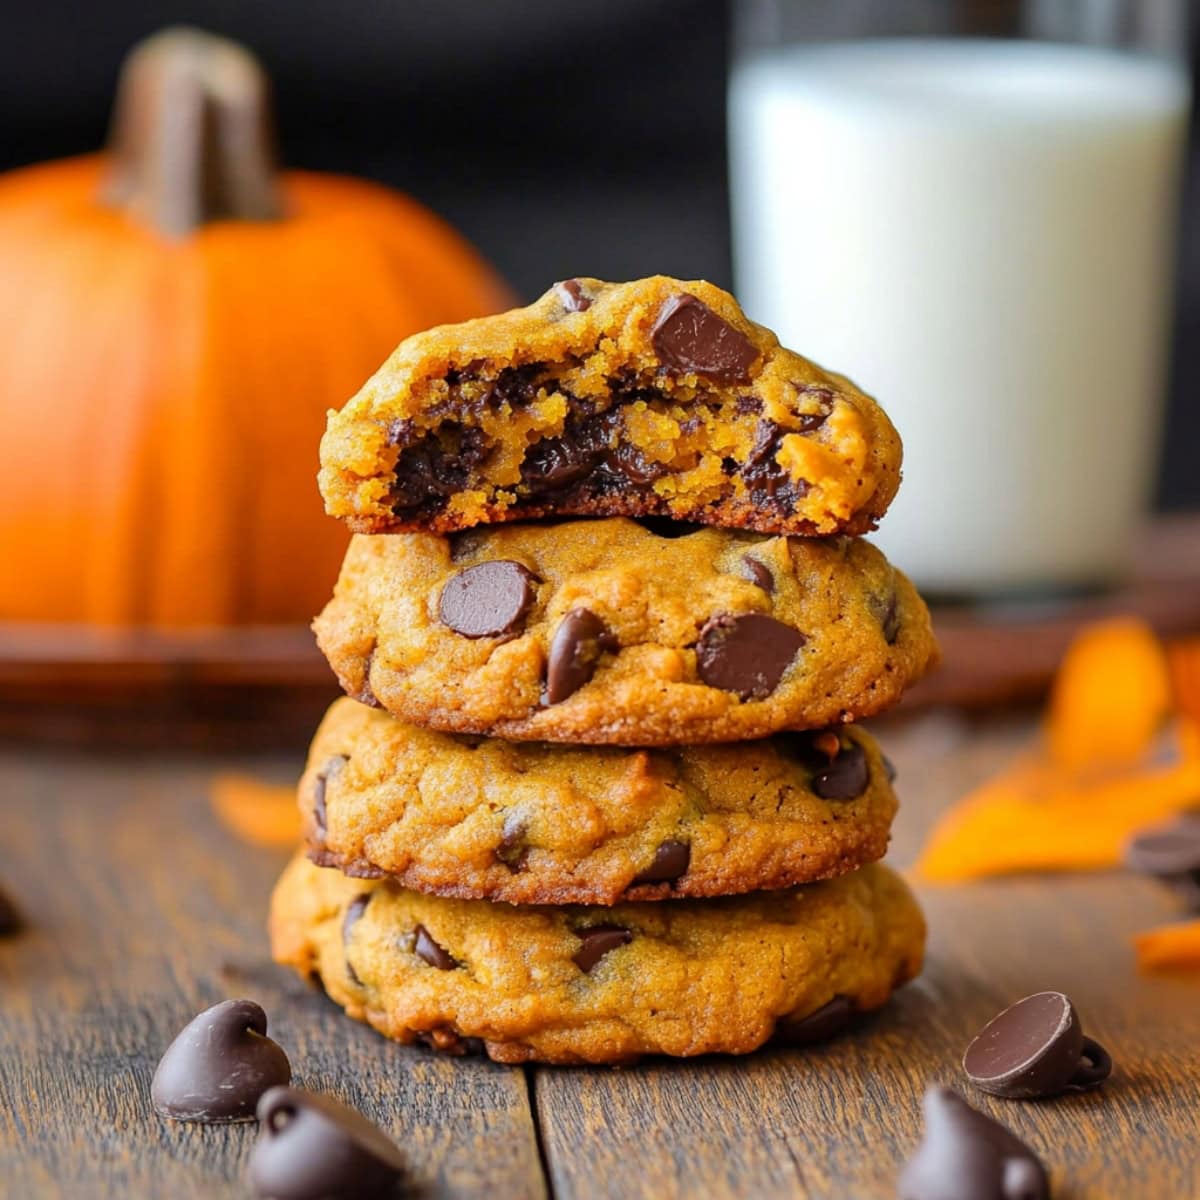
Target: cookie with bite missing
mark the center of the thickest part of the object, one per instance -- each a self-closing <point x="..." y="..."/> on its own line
<point x="599" y="985"/>
<point x="540" y="823"/>
<point x="615" y="631"/>
<point x="651" y="398"/>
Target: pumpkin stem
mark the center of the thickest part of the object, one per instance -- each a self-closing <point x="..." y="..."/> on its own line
<point x="191" y="137"/>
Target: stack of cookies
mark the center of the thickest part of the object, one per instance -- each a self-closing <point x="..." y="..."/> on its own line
<point x="595" y="791"/>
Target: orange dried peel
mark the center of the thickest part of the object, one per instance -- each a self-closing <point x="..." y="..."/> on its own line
<point x="1169" y="947"/>
<point x="1099" y="775"/>
<point x="1111" y="696"/>
<point x="264" y="814"/>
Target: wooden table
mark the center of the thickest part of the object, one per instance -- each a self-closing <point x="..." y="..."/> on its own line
<point x="143" y="910"/>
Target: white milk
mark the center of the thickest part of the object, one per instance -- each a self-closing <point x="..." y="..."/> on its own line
<point x="980" y="233"/>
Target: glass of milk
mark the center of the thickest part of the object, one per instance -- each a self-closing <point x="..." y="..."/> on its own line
<point x="970" y="208"/>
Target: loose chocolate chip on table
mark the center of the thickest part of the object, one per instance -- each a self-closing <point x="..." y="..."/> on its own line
<point x="967" y="1156"/>
<point x="1035" y="1048"/>
<point x="746" y="653"/>
<point x="759" y="574"/>
<point x="219" y="1065"/>
<point x="690" y="338"/>
<point x="311" y="1147"/>
<point x="572" y="296"/>
<point x="823" y="1023"/>
<point x="670" y="862"/>
<point x="489" y="599"/>
<point x="354" y="911"/>
<point x="10" y="918"/>
<point x="426" y="948"/>
<point x="596" y="942"/>
<point x="1170" y="853"/>
<point x="845" y="777"/>
<point x="331" y="770"/>
<point x="579" y="640"/>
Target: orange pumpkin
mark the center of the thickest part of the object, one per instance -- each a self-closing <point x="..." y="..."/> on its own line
<point x="175" y="319"/>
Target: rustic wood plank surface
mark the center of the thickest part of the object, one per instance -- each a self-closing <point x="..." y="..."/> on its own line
<point x="142" y="910"/>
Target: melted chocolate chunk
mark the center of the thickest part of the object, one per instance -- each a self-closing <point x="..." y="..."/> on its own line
<point x="311" y="1147"/>
<point x="967" y="1156"/>
<point x="436" y="465"/>
<point x="579" y="641"/>
<point x="331" y="770"/>
<point x="596" y="942"/>
<point x="219" y="1065"/>
<point x="770" y="485"/>
<point x="489" y="599"/>
<point x="354" y="911"/>
<point x="671" y="861"/>
<point x="427" y="949"/>
<point x="1035" y="1048"/>
<point x="845" y="777"/>
<point x="629" y="462"/>
<point x="746" y="653"/>
<point x="572" y="296"/>
<point x="820" y="1025"/>
<point x="689" y="338"/>
<point x="759" y="574"/>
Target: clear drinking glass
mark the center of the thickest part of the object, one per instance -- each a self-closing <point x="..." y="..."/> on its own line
<point x="971" y="208"/>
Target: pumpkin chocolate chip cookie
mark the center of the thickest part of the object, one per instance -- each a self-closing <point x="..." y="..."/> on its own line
<point x="611" y="632"/>
<point x="588" y="985"/>
<point x="651" y="398"/>
<point x="538" y="823"/>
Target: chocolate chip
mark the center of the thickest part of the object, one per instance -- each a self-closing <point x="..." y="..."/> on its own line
<point x="311" y="1147"/>
<point x="690" y="338"/>
<point x="446" y="1041"/>
<point x="889" y="621"/>
<point x="219" y="1065"/>
<point x="746" y="653"/>
<point x="1035" y="1048"/>
<point x="845" y="777"/>
<point x="365" y="695"/>
<point x="768" y="482"/>
<point x="889" y="768"/>
<point x="354" y="910"/>
<point x="596" y="942"/>
<point x="630" y="462"/>
<point x="579" y="640"/>
<point x="572" y="296"/>
<point x="820" y="1025"/>
<point x="1171" y="854"/>
<point x="967" y="1156"/>
<point x="512" y="850"/>
<point x="759" y="574"/>
<point x="427" y="949"/>
<point x="489" y="599"/>
<point x="10" y="917"/>
<point x="331" y="770"/>
<point x="670" y="862"/>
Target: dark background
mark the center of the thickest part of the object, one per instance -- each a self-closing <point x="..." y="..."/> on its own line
<point x="562" y="137"/>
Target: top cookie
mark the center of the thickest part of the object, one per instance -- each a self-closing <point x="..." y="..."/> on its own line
<point x="651" y="398"/>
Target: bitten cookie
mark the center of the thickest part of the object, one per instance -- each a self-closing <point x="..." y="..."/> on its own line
<point x="598" y="985"/>
<point x="538" y="823"/>
<point x="608" y="632"/>
<point x="651" y="398"/>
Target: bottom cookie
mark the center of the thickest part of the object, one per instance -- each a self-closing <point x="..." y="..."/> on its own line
<point x="599" y="985"/>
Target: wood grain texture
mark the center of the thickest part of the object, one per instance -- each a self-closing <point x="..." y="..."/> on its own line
<point x="838" y="1120"/>
<point x="141" y="912"/>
